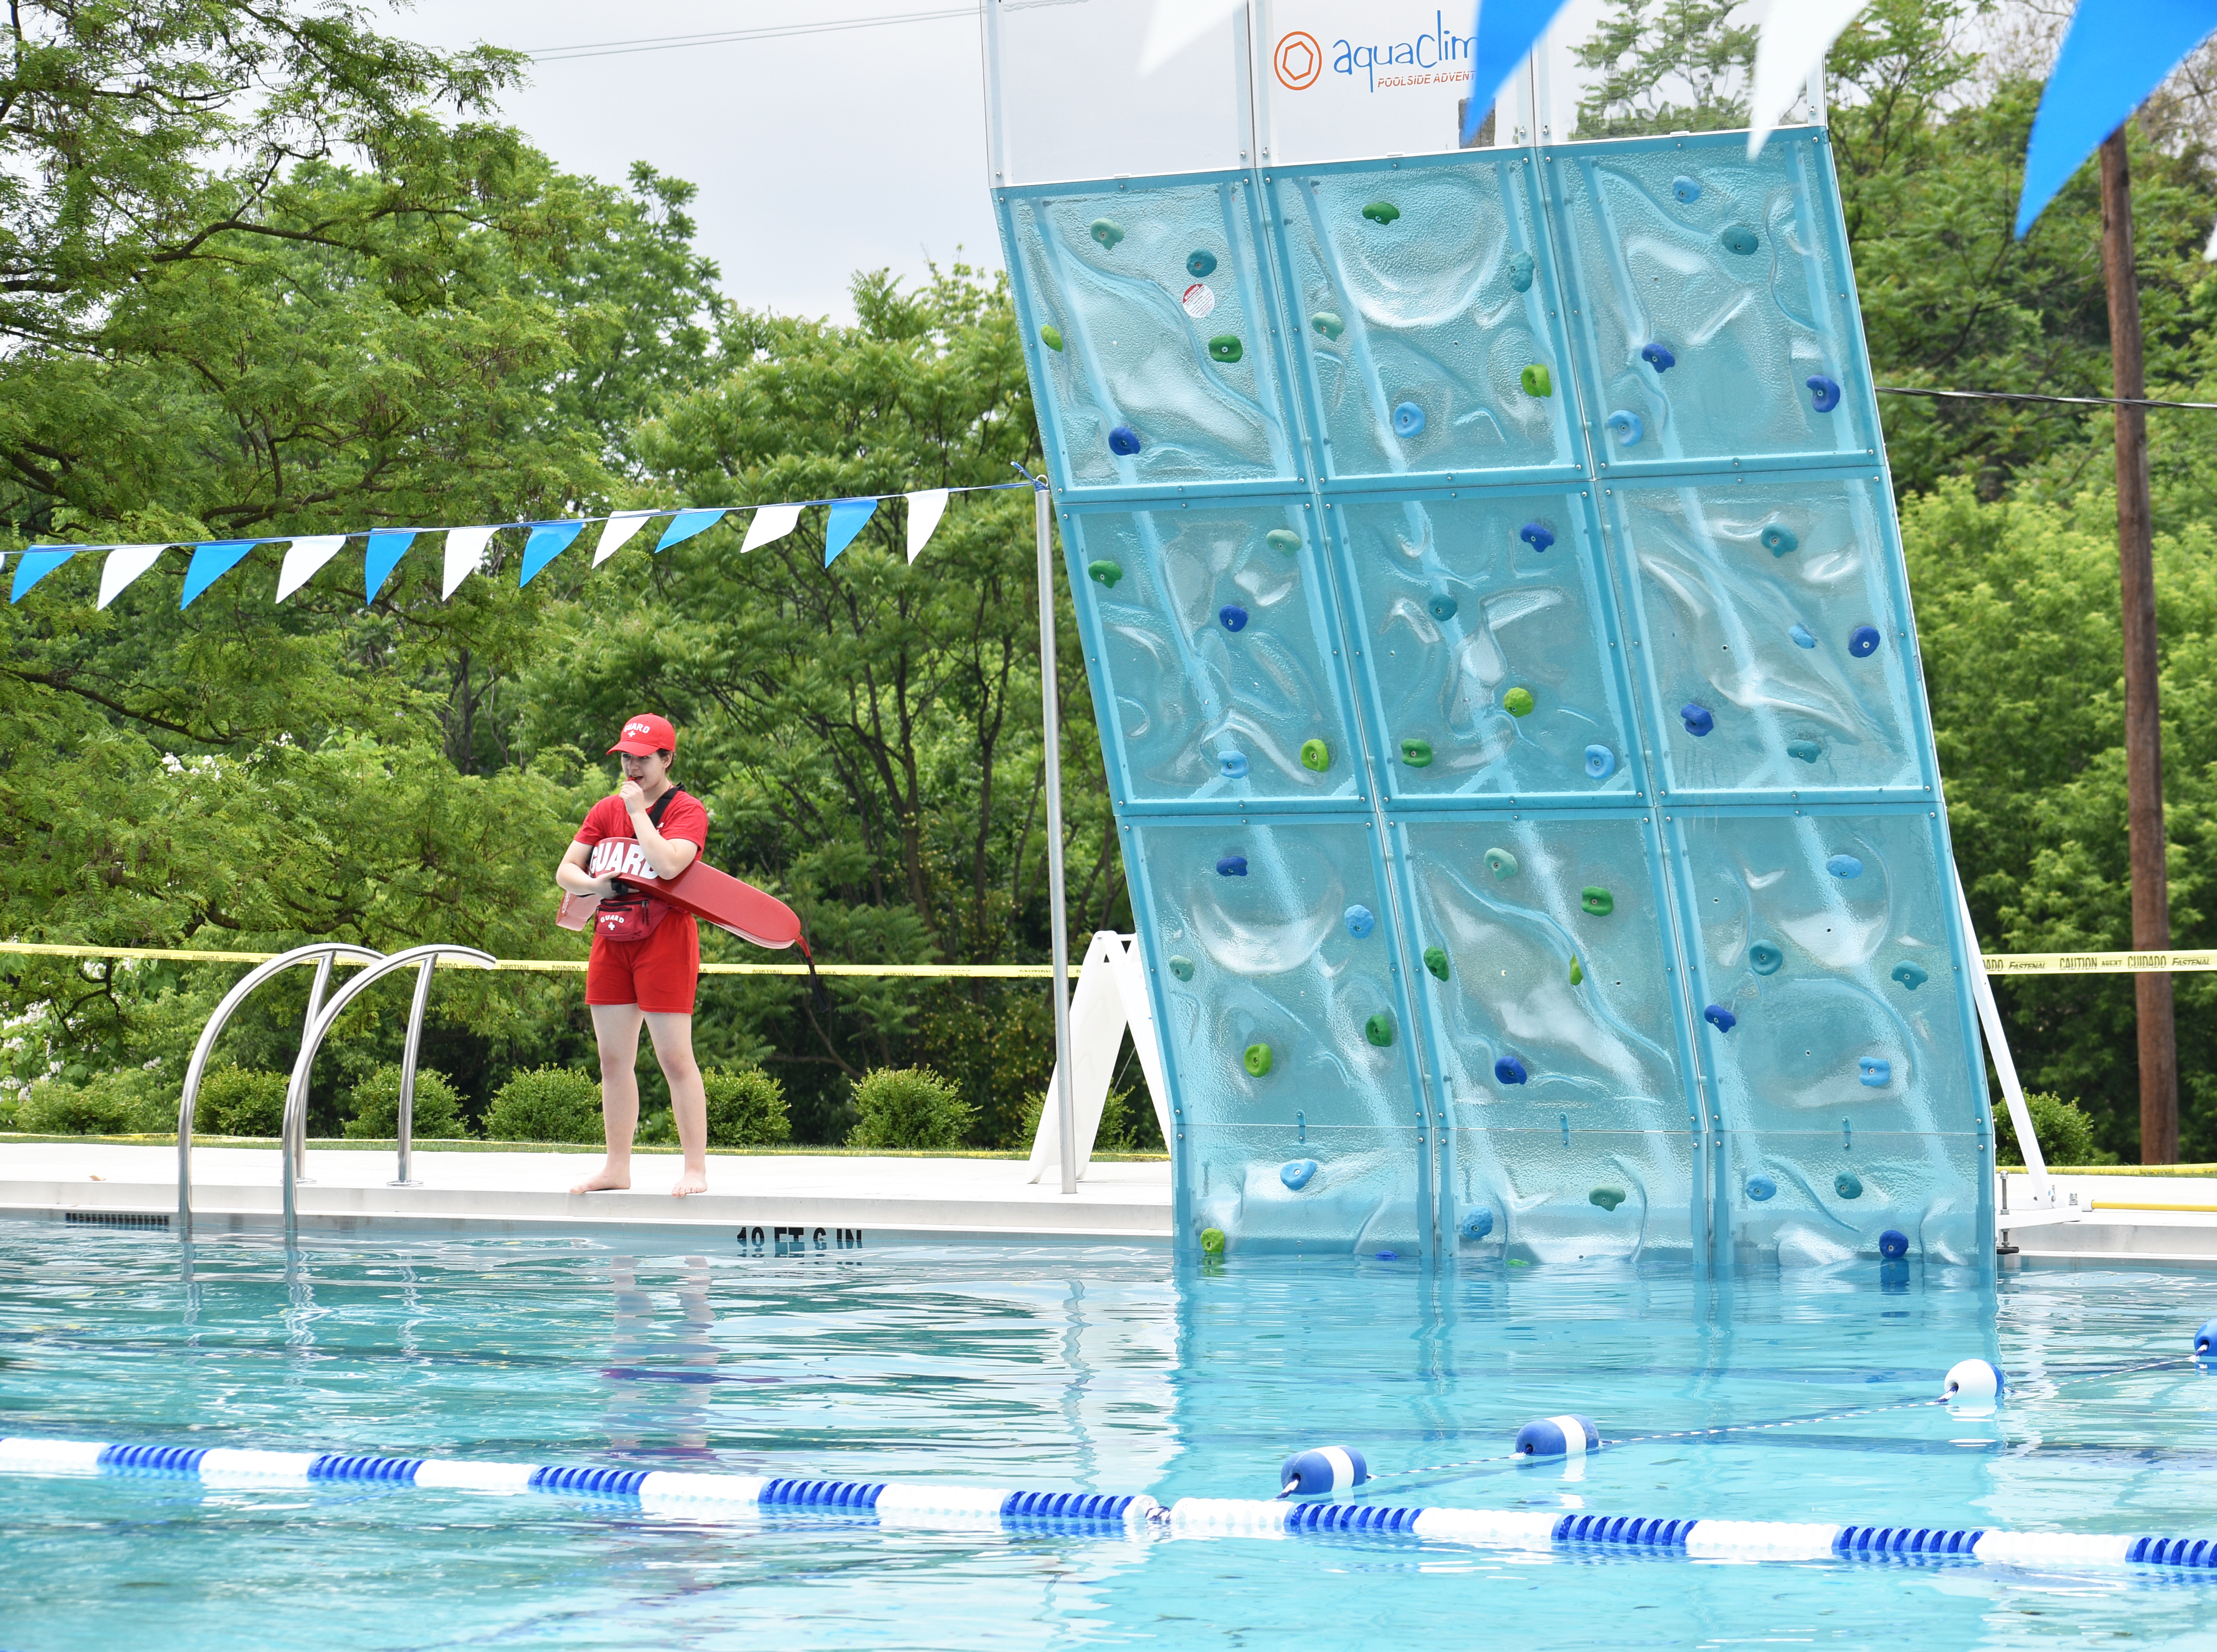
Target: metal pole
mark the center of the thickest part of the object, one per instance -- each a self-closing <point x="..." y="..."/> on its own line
<point x="1065" y="1115"/>
<point x="294" y="1134"/>
<point x="408" y="1051"/>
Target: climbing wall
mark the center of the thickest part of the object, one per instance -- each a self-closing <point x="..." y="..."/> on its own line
<point x="1493" y="599"/>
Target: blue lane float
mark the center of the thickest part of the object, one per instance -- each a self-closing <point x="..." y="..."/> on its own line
<point x="1321" y="1470"/>
<point x="1566" y="1436"/>
<point x="2205" y="1341"/>
<point x="1974" y="1379"/>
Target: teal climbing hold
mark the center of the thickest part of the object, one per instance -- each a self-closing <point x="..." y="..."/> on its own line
<point x="1316" y="757"/>
<point x="1847" y="1185"/>
<point x="1104" y="573"/>
<point x="1607" y="1198"/>
<point x="1738" y="238"/>
<point x="1417" y="753"/>
<point x="1051" y="337"/>
<point x="1379" y="1029"/>
<point x="1257" y="1060"/>
<point x="1764" y="959"/>
<point x="1107" y="232"/>
<point x="1807" y="750"/>
<point x="1536" y="381"/>
<point x="1327" y="323"/>
<point x="1911" y="976"/>
<point x="1180" y="967"/>
<point x="1501" y="864"/>
<point x="1435" y="960"/>
<point x="1382" y="212"/>
<point x="1597" y="900"/>
<point x="1225" y="347"/>
<point x="1779" y="540"/>
<point x="1442" y="607"/>
<point x="1518" y="702"/>
<point x="1285" y="540"/>
<point x="1200" y="263"/>
<point x="1520" y="271"/>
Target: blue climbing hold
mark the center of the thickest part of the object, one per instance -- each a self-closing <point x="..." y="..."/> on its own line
<point x="1510" y="1070"/>
<point x="1478" y="1224"/>
<point x="1779" y="540"/>
<point x="1558" y="1436"/>
<point x="1538" y="535"/>
<point x="1231" y="865"/>
<point x="1803" y="637"/>
<point x="1358" y="922"/>
<point x="1845" y="865"/>
<point x="1122" y="439"/>
<point x="1807" y="751"/>
<point x="1231" y="616"/>
<point x="1824" y="393"/>
<point x="1232" y="765"/>
<point x="1686" y="189"/>
<point x="1764" y="959"/>
<point x="1720" y="1018"/>
<point x="1201" y="263"/>
<point x="1442" y="607"/>
<point x="1601" y="762"/>
<point x="1911" y="976"/>
<point x="1328" y="1467"/>
<point x="1408" y="420"/>
<point x="1658" y="357"/>
<point x="1520" y="271"/>
<point x="1628" y="426"/>
<point x="1862" y="641"/>
<point x="1697" y="719"/>
<point x="1761" y="1187"/>
<point x="1296" y="1173"/>
<point x="1894" y="1244"/>
<point x="1876" y="1072"/>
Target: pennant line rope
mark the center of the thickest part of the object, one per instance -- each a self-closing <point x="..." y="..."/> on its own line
<point x="2026" y="396"/>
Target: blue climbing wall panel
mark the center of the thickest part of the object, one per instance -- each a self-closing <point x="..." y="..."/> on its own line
<point x="1492" y="598"/>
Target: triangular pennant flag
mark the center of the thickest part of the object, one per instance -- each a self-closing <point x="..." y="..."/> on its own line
<point x="686" y="523"/>
<point x="1794" y="40"/>
<point x="465" y="555"/>
<point x="846" y="521"/>
<point x="386" y="547"/>
<point x="34" y="564"/>
<point x="548" y="540"/>
<point x="924" y="510"/>
<point x="211" y="560"/>
<point x="1507" y="31"/>
<point x="2116" y="54"/>
<point x="620" y="526"/>
<point x="771" y="522"/>
<point x="302" y="560"/>
<point x="125" y="563"/>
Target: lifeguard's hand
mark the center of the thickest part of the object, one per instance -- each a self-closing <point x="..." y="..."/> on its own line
<point x="633" y="798"/>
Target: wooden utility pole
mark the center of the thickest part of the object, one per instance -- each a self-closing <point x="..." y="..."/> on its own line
<point x="2159" y="1039"/>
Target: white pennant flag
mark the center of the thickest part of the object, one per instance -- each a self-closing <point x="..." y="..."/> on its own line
<point x="924" y="510"/>
<point x="619" y="528"/>
<point x="125" y="563"/>
<point x="464" y="552"/>
<point x="302" y="557"/>
<point x="1796" y="34"/>
<point x="770" y="522"/>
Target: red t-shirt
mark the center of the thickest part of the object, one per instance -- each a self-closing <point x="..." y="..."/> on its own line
<point x="615" y="850"/>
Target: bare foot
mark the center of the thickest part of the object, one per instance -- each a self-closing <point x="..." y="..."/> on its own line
<point x="693" y="1181"/>
<point x="606" y="1179"/>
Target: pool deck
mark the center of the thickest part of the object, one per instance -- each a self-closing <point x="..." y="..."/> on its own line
<point x="770" y="1201"/>
<point x="2168" y="1220"/>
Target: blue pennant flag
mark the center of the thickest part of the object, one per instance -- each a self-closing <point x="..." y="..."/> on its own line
<point x="847" y="519"/>
<point x="1506" y="31"/>
<point x="211" y="562"/>
<point x="33" y="565"/>
<point x="685" y="524"/>
<point x="386" y="547"/>
<point x="548" y="540"/>
<point x="2116" y="54"/>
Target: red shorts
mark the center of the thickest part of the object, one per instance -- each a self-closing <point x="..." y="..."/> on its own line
<point x="659" y="974"/>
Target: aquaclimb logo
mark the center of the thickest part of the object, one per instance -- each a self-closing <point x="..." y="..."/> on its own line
<point x="1299" y="60"/>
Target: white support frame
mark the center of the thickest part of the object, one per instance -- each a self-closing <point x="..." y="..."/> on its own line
<point x="1111" y="997"/>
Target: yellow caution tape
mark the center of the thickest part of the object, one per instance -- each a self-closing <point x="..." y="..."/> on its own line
<point x="2096" y="962"/>
<point x="557" y="966"/>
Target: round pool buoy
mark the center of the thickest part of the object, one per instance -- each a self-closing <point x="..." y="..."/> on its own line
<point x="1322" y="1469"/>
<point x="1974" y="1379"/>
<point x="1894" y="1244"/>
<point x="1358" y="922"/>
<point x="2205" y="1342"/>
<point x="1297" y="1173"/>
<point x="1558" y="1436"/>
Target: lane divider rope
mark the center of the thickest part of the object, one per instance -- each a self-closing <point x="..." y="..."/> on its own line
<point x="986" y="1507"/>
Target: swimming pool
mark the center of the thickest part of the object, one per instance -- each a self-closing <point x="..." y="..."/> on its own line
<point x="1106" y="1370"/>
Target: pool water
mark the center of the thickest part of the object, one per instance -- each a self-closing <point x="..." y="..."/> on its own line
<point x="1107" y="1370"/>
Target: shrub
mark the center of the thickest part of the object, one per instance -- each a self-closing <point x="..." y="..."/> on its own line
<point x="240" y="1101"/>
<point x="2067" y="1134"/>
<point x="98" y="1108"/>
<point x="746" y="1108"/>
<point x="907" y="1107"/>
<point x="547" y="1104"/>
<point x="375" y="1107"/>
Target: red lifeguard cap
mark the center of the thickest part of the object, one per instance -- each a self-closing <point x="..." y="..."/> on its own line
<point x="644" y="734"/>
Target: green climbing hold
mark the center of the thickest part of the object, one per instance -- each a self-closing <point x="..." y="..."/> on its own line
<point x="1285" y="540"/>
<point x="1847" y="1185"/>
<point x="1536" y="382"/>
<point x="1416" y="753"/>
<point x="1435" y="960"/>
<point x="1225" y="347"/>
<point x="1518" y="702"/>
<point x="1577" y="975"/>
<point x="1257" y="1060"/>
<point x="1501" y="864"/>
<point x="1107" y="232"/>
<point x="1327" y="323"/>
<point x="1597" y="900"/>
<point x="1106" y="573"/>
<point x="1316" y="757"/>
<point x="1379" y="1029"/>
<point x="1382" y="212"/>
<point x="1051" y="338"/>
<point x="1212" y="1241"/>
<point x="1607" y="1198"/>
<point x="1182" y="967"/>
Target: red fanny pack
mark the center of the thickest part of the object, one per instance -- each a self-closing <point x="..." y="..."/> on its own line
<point x="631" y="914"/>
